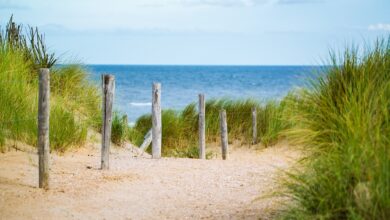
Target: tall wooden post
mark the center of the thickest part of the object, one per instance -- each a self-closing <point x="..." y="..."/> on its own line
<point x="156" y="121"/>
<point x="108" y="99"/>
<point x="254" y="125"/>
<point x="224" y="134"/>
<point x="43" y="127"/>
<point x="202" y="127"/>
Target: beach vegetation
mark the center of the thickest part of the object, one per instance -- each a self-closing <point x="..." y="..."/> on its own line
<point x="180" y="128"/>
<point x="119" y="129"/>
<point x="343" y="123"/>
<point x="74" y="101"/>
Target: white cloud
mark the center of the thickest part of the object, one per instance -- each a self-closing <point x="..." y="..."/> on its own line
<point x="379" y="27"/>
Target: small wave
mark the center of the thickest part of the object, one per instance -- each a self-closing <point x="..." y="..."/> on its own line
<point x="141" y="103"/>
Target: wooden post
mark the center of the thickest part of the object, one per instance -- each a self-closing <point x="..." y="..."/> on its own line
<point x="254" y="125"/>
<point x="202" y="127"/>
<point x="43" y="127"/>
<point x="224" y="134"/>
<point x="156" y="121"/>
<point x="147" y="141"/>
<point x="108" y="98"/>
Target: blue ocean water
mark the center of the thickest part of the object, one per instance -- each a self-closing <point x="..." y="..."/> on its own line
<point x="182" y="84"/>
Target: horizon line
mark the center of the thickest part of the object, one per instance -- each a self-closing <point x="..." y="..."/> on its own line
<point x="110" y="64"/>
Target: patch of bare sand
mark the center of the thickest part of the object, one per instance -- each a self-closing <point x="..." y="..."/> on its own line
<point x="143" y="188"/>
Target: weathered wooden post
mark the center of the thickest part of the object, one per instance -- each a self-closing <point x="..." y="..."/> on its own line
<point x="108" y="99"/>
<point x="254" y="125"/>
<point x="147" y="140"/>
<point x="43" y="127"/>
<point x="224" y="134"/>
<point x="156" y="121"/>
<point x="202" y="127"/>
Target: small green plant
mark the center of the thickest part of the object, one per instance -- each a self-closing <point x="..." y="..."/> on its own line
<point x="120" y="129"/>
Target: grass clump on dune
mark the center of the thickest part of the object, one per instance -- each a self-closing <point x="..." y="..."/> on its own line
<point x="344" y="123"/>
<point x="74" y="102"/>
<point x="17" y="98"/>
<point x="180" y="128"/>
<point x="120" y="129"/>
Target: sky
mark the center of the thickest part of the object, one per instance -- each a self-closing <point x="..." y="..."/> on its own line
<point x="203" y="32"/>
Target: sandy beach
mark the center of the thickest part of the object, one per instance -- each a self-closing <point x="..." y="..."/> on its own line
<point x="137" y="187"/>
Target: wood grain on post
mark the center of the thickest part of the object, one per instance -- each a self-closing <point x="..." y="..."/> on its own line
<point x="254" y="125"/>
<point x="43" y="127"/>
<point x="224" y="134"/>
<point x="202" y="127"/>
<point x="108" y="99"/>
<point x="156" y="121"/>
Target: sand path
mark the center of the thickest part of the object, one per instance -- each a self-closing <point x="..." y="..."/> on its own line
<point x="143" y="188"/>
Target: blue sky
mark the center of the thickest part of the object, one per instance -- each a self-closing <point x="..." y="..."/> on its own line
<point x="234" y="32"/>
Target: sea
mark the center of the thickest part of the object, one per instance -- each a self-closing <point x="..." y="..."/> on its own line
<point x="180" y="85"/>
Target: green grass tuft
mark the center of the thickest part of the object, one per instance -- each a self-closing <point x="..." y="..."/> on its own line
<point x="120" y="129"/>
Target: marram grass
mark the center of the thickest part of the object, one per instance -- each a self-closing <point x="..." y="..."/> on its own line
<point x="75" y="103"/>
<point x="119" y="129"/>
<point x="180" y="128"/>
<point x="343" y="120"/>
<point x="71" y="113"/>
